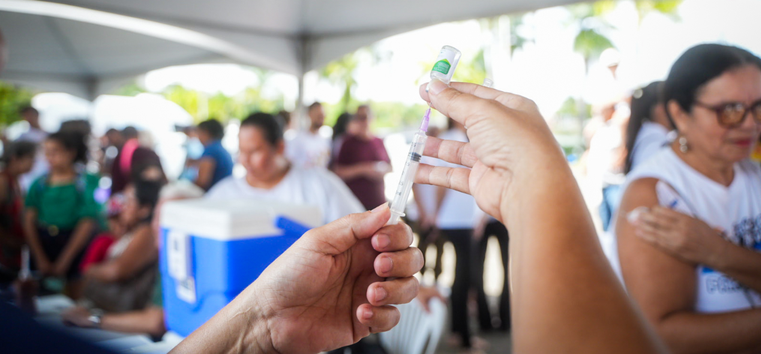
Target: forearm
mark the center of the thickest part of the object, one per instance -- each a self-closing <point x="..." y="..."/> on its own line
<point x="79" y="239"/>
<point x="563" y="286"/>
<point x="150" y="320"/>
<point x="205" y="173"/>
<point x="32" y="238"/>
<point x="347" y="172"/>
<point x="730" y="332"/>
<point x="740" y="263"/>
<point x="234" y="329"/>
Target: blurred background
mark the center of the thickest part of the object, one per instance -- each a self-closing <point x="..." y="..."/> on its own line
<point x="168" y="65"/>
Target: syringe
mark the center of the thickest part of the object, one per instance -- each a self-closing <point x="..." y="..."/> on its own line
<point x="410" y="170"/>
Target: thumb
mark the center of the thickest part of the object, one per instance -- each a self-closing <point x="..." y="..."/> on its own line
<point x="340" y="235"/>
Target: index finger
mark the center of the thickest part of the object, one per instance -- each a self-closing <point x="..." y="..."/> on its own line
<point x="455" y="152"/>
<point x="509" y="100"/>
<point x="673" y="215"/>
<point x="393" y="238"/>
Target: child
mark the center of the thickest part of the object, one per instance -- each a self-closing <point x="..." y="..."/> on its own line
<point x="61" y="214"/>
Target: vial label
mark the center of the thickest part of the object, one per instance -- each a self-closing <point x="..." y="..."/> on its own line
<point x="442" y="66"/>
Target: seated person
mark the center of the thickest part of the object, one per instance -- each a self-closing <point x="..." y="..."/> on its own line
<point x="149" y="320"/>
<point x="98" y="249"/>
<point x="270" y="176"/>
<point x="125" y="280"/>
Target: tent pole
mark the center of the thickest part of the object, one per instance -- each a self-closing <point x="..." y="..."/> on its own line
<point x="299" y="113"/>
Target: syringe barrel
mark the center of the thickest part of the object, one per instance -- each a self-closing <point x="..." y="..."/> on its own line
<point x="411" y="165"/>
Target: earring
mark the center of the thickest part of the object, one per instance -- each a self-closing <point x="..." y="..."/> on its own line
<point x="683" y="145"/>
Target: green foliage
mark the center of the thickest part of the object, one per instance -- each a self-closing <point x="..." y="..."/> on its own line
<point x="590" y="43"/>
<point x="473" y="70"/>
<point x="667" y="7"/>
<point x="341" y="72"/>
<point x="12" y="99"/>
<point x="517" y="41"/>
<point x="131" y="89"/>
<point x="202" y="106"/>
<point x="570" y="108"/>
<point x="397" y="116"/>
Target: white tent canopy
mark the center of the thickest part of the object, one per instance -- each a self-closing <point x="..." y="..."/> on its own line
<point x="86" y="47"/>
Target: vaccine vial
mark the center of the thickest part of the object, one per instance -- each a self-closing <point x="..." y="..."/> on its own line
<point x="445" y="64"/>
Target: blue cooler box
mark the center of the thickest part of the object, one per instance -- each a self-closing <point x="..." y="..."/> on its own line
<point x="213" y="249"/>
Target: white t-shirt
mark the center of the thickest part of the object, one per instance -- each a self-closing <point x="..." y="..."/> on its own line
<point x="307" y="150"/>
<point x="426" y="193"/>
<point x="40" y="166"/>
<point x="458" y="210"/>
<point x="735" y="209"/>
<point x="316" y="186"/>
<point x="34" y="135"/>
<point x="652" y="137"/>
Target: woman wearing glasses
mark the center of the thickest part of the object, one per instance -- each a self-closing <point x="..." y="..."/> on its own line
<point x="689" y="225"/>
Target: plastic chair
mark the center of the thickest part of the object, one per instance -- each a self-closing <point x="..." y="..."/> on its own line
<point x="418" y="331"/>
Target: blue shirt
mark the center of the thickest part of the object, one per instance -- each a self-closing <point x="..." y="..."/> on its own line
<point x="223" y="163"/>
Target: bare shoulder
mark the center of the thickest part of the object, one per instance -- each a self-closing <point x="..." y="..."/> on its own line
<point x="658" y="281"/>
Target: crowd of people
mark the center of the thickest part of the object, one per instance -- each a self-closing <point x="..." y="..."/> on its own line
<point x="680" y="193"/>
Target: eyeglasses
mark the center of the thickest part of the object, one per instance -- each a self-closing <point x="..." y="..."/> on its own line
<point x="732" y="114"/>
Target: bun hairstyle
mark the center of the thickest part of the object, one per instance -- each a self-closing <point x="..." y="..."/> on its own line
<point x="699" y="65"/>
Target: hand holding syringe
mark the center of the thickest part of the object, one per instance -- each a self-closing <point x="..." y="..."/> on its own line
<point x="442" y="70"/>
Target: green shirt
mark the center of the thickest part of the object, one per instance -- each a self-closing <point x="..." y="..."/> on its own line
<point x="64" y="205"/>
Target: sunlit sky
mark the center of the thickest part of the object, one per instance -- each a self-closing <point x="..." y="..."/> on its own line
<point x="547" y="70"/>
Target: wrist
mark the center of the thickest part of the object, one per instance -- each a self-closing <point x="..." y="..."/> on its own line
<point x="717" y="256"/>
<point x="256" y="338"/>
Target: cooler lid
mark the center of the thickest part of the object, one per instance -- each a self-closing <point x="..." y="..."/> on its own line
<point x="234" y="219"/>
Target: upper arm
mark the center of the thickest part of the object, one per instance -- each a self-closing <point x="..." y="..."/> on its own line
<point x="383" y="154"/>
<point x="140" y="252"/>
<point x="205" y="171"/>
<point x="659" y="283"/>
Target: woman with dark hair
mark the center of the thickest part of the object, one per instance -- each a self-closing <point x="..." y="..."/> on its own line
<point x="18" y="158"/>
<point x="341" y="129"/>
<point x="125" y="279"/>
<point x="648" y="127"/>
<point x="689" y="247"/>
<point x="215" y="163"/>
<point x="61" y="212"/>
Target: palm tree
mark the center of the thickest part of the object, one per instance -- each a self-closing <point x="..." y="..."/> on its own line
<point x="590" y="42"/>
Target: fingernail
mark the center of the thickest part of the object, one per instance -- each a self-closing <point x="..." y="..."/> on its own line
<point x="367" y="314"/>
<point x="380" y="294"/>
<point x="386" y="264"/>
<point x="382" y="241"/>
<point x="379" y="207"/>
<point x="436" y="86"/>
